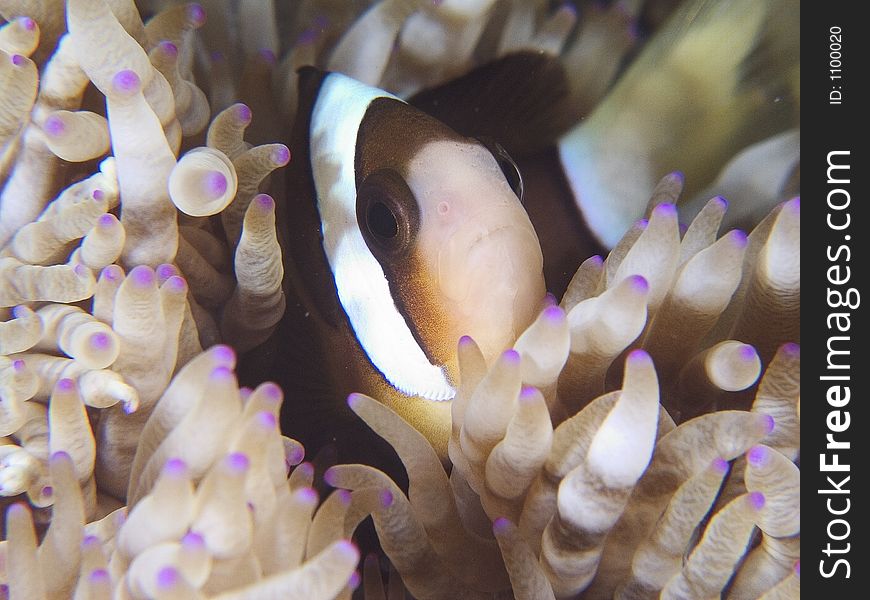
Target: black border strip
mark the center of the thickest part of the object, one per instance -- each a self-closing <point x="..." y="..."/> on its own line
<point x="835" y="106"/>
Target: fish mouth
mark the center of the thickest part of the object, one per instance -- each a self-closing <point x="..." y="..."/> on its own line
<point x="469" y="258"/>
<point x="485" y="236"/>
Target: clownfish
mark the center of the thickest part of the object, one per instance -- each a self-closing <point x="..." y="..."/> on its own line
<point x="400" y="236"/>
<point x="406" y="224"/>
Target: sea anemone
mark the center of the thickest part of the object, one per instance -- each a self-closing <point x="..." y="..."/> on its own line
<point x="639" y="440"/>
<point x="219" y="518"/>
<point x="610" y="501"/>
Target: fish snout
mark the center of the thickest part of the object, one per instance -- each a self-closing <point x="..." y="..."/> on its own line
<point x="492" y="277"/>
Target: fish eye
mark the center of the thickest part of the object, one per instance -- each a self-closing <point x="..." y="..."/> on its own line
<point x="508" y="167"/>
<point x="387" y="213"/>
<point x="381" y="221"/>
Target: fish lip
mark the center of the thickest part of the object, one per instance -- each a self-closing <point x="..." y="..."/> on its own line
<point x="486" y="235"/>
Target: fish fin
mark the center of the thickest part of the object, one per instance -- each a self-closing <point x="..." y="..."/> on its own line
<point x="773" y="64"/>
<point x="308" y="363"/>
<point x="754" y="181"/>
<point x="314" y="398"/>
<point x="488" y="102"/>
<point x="717" y="78"/>
<point x="299" y="228"/>
<point x="769" y="75"/>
